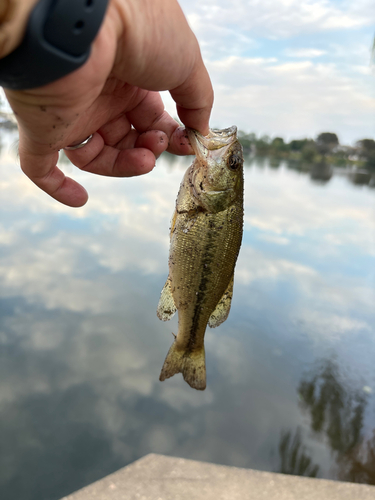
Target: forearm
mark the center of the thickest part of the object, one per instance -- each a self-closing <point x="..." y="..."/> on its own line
<point x="13" y="19"/>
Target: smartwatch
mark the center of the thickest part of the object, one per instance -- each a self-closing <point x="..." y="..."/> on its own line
<point x="57" y="41"/>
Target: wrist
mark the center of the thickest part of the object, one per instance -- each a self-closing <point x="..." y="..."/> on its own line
<point x="14" y="15"/>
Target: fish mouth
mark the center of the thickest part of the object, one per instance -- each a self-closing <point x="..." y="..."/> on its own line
<point x="216" y="139"/>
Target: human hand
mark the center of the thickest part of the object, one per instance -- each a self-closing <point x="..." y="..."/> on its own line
<point x="144" y="46"/>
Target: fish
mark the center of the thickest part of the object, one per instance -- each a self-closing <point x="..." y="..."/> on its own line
<point x="205" y="239"/>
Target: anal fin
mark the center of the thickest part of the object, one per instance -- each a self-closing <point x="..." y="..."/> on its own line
<point x="222" y="308"/>
<point x="166" y="307"/>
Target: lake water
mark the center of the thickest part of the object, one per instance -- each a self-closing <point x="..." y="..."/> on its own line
<point x="290" y="374"/>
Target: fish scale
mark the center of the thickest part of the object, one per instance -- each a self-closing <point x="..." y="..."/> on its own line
<point x="206" y="234"/>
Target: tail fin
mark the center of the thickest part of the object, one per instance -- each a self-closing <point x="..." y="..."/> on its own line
<point x="191" y="364"/>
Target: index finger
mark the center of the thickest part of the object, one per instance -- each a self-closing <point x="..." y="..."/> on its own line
<point x="194" y="98"/>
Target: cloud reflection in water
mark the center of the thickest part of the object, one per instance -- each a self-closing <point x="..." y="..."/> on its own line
<point x="81" y="346"/>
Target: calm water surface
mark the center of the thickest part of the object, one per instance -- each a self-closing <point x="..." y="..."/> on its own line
<point x="291" y="373"/>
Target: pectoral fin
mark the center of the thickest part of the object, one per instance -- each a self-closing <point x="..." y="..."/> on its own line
<point x="166" y="307"/>
<point x="222" y="308"/>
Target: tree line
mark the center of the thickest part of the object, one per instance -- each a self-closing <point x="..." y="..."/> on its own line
<point x="325" y="148"/>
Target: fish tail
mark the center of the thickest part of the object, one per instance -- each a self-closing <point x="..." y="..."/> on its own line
<point x="191" y="364"/>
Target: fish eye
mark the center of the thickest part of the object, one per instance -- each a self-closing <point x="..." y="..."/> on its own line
<point x="234" y="162"/>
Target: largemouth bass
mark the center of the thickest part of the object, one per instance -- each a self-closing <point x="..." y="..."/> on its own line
<point x="206" y="235"/>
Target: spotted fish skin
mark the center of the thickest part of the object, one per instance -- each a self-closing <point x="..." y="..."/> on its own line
<point x="206" y="235"/>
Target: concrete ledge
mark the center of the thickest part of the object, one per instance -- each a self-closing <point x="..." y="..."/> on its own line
<point x="158" y="477"/>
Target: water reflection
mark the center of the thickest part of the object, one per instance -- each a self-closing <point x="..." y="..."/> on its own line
<point x="359" y="464"/>
<point x="334" y="409"/>
<point x="361" y="177"/>
<point x="294" y="459"/>
<point x="337" y="414"/>
<point x="81" y="346"/>
<point x="321" y="172"/>
<point x="337" y="411"/>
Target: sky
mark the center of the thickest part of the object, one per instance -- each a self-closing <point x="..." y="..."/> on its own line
<point x="292" y="68"/>
<point x="289" y="68"/>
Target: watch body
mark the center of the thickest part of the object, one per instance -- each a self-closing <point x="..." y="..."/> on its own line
<point x="57" y="41"/>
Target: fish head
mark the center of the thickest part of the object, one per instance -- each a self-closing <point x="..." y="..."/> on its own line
<point x="217" y="172"/>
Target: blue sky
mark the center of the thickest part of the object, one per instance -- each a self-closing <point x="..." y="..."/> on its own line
<point x="289" y="67"/>
<point x="293" y="68"/>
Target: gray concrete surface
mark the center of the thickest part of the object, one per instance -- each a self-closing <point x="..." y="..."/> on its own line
<point x="157" y="477"/>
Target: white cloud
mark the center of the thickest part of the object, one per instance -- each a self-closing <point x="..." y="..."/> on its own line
<point x="7" y="236"/>
<point x="128" y="223"/>
<point x="278" y="240"/>
<point x="115" y="345"/>
<point x="305" y="53"/>
<point x="277" y="18"/>
<point x="297" y="210"/>
<point x="290" y="99"/>
<point x="129" y="232"/>
<point x="262" y="94"/>
<point x="269" y="94"/>
<point x="323" y="325"/>
<point x="266" y="267"/>
<point x="218" y="40"/>
<point x="336" y="325"/>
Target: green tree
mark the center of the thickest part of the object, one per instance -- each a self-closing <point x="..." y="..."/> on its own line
<point x="309" y="152"/>
<point x="366" y="145"/>
<point x="298" y="144"/>
<point x="326" y="142"/>
<point x="278" y="146"/>
<point x="247" y="140"/>
<point x="366" y="149"/>
<point x="262" y="145"/>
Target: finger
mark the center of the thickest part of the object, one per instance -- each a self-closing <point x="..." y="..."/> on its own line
<point x="128" y="142"/>
<point x="154" y="140"/>
<point x="42" y="170"/>
<point x="126" y="163"/>
<point x="157" y="142"/>
<point x="115" y="130"/>
<point x="149" y="114"/>
<point x="82" y="156"/>
<point x="179" y="143"/>
<point x="194" y="99"/>
<point x="97" y="157"/>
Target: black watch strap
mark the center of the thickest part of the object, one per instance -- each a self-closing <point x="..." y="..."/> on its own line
<point x="57" y="41"/>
